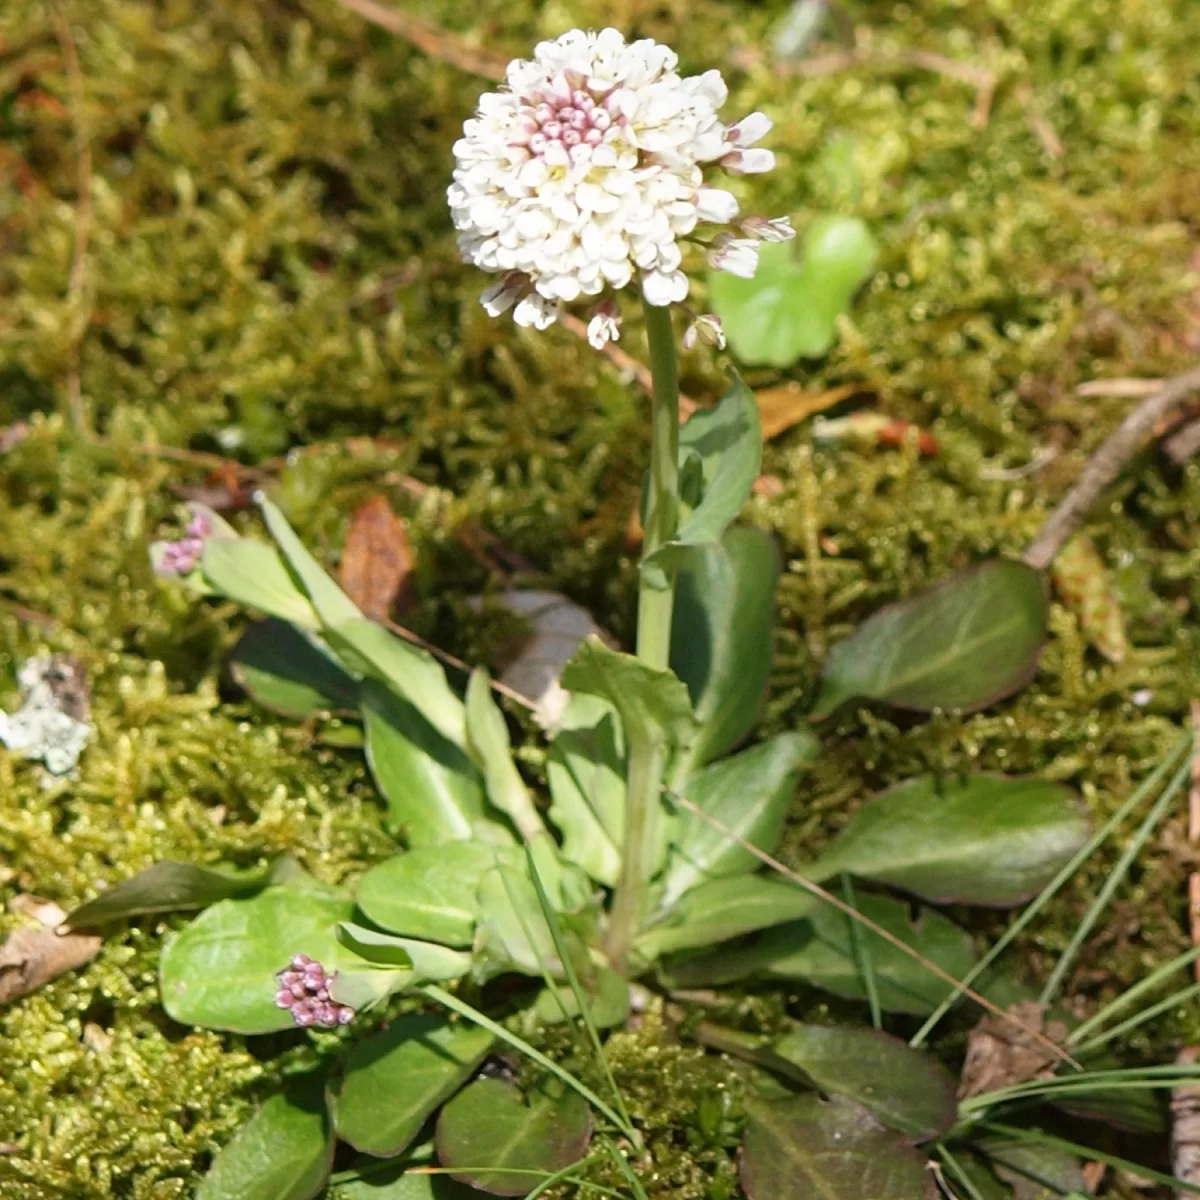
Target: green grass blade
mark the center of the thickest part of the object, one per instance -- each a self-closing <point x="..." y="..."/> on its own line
<point x="1138" y="990"/>
<point x="623" y="1166"/>
<point x="1037" y="1138"/>
<point x="1035" y="906"/>
<point x="439" y="996"/>
<point x="1147" y="1014"/>
<point x="955" y="1168"/>
<point x="1114" y="881"/>
<point x="862" y="957"/>
<point x="585" y="1012"/>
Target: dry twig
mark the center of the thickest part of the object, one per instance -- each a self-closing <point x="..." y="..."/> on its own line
<point x="77" y="282"/>
<point x="429" y="39"/>
<point x="1105" y="465"/>
<point x="1185" y="1098"/>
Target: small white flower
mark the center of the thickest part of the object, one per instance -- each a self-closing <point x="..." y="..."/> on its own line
<point x="584" y="173"/>
<point x="769" y="229"/>
<point x="605" y="326"/>
<point x="738" y="256"/>
<point x="705" y="328"/>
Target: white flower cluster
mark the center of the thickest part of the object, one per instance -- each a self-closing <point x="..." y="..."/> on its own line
<point x="588" y="170"/>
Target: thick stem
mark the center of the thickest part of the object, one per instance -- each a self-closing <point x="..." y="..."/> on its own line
<point x="656" y="602"/>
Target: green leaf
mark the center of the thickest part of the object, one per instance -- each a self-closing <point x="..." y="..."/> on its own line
<point x="586" y="772"/>
<point x="397" y="1079"/>
<point x="411" y="672"/>
<point x="725" y="908"/>
<point x="168" y="887"/>
<point x="250" y="572"/>
<point x="429" y="892"/>
<point x="331" y="603"/>
<point x="219" y="972"/>
<point x="963" y="645"/>
<point x="290" y="673"/>
<point x="427" y="960"/>
<point x="749" y="794"/>
<point x="905" y="1089"/>
<point x="433" y="790"/>
<point x="607" y="994"/>
<point x="984" y="840"/>
<point x="1035" y="1172"/>
<point x="789" y="309"/>
<point x="804" y="1146"/>
<point x="491" y="749"/>
<point x="490" y="1125"/>
<point x="512" y="933"/>
<point x="284" y="1152"/>
<point x="653" y="705"/>
<point x="721" y="639"/>
<point x="398" y="1181"/>
<point x="407" y="670"/>
<point x="822" y="951"/>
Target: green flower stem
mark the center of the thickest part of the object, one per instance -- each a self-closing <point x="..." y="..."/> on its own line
<point x="656" y="603"/>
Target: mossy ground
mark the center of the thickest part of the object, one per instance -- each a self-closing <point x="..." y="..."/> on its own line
<point x="270" y="266"/>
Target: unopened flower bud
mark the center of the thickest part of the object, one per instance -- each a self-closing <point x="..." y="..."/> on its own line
<point x="304" y="990"/>
<point x="738" y="256"/>
<point x="705" y="328"/>
<point x="769" y="229"/>
<point x="605" y="325"/>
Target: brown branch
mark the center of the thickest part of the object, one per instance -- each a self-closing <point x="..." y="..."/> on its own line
<point x="626" y="364"/>
<point x="1105" y="465"/>
<point x="1039" y="123"/>
<point x="1184" y="444"/>
<point x="429" y="39"/>
<point x="1185" y="1097"/>
<point x="77" y="281"/>
<point x="829" y="898"/>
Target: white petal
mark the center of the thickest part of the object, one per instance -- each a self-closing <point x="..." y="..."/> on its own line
<point x="663" y="288"/>
<point x="750" y="129"/>
<point x="714" y="204"/>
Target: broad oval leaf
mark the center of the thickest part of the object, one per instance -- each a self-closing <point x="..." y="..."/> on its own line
<point x="251" y="572"/>
<point x="429" y="892"/>
<point x="905" y="1089"/>
<point x="397" y="1079"/>
<point x="490" y="1125"/>
<point x="426" y="960"/>
<point x="288" y="673"/>
<point x="513" y="934"/>
<point x="1034" y="1171"/>
<point x="749" y="794"/>
<point x="167" y="887"/>
<point x="984" y="840"/>
<point x="434" y="792"/>
<point x="725" y="908"/>
<point x="963" y="645"/>
<point x="789" y="309"/>
<point x="284" y="1152"/>
<point x="721" y="639"/>
<point x="823" y="951"/>
<point x="653" y="705"/>
<point x="804" y="1146"/>
<point x="586" y="772"/>
<point x="219" y="972"/>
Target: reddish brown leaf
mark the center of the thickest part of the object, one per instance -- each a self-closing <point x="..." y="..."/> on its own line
<point x="779" y="408"/>
<point x="34" y="955"/>
<point x="377" y="563"/>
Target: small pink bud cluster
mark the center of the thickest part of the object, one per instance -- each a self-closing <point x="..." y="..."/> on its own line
<point x="304" y="988"/>
<point x="181" y="557"/>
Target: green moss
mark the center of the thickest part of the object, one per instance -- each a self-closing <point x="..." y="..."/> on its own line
<point x="271" y="266"/>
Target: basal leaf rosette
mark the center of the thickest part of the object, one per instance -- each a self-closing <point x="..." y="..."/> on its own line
<point x="588" y="173"/>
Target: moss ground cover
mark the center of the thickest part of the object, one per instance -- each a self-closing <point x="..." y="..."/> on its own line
<point x="270" y="266"/>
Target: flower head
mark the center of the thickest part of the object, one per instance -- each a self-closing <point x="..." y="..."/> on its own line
<point x="584" y="173"/>
<point x="304" y="988"/>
